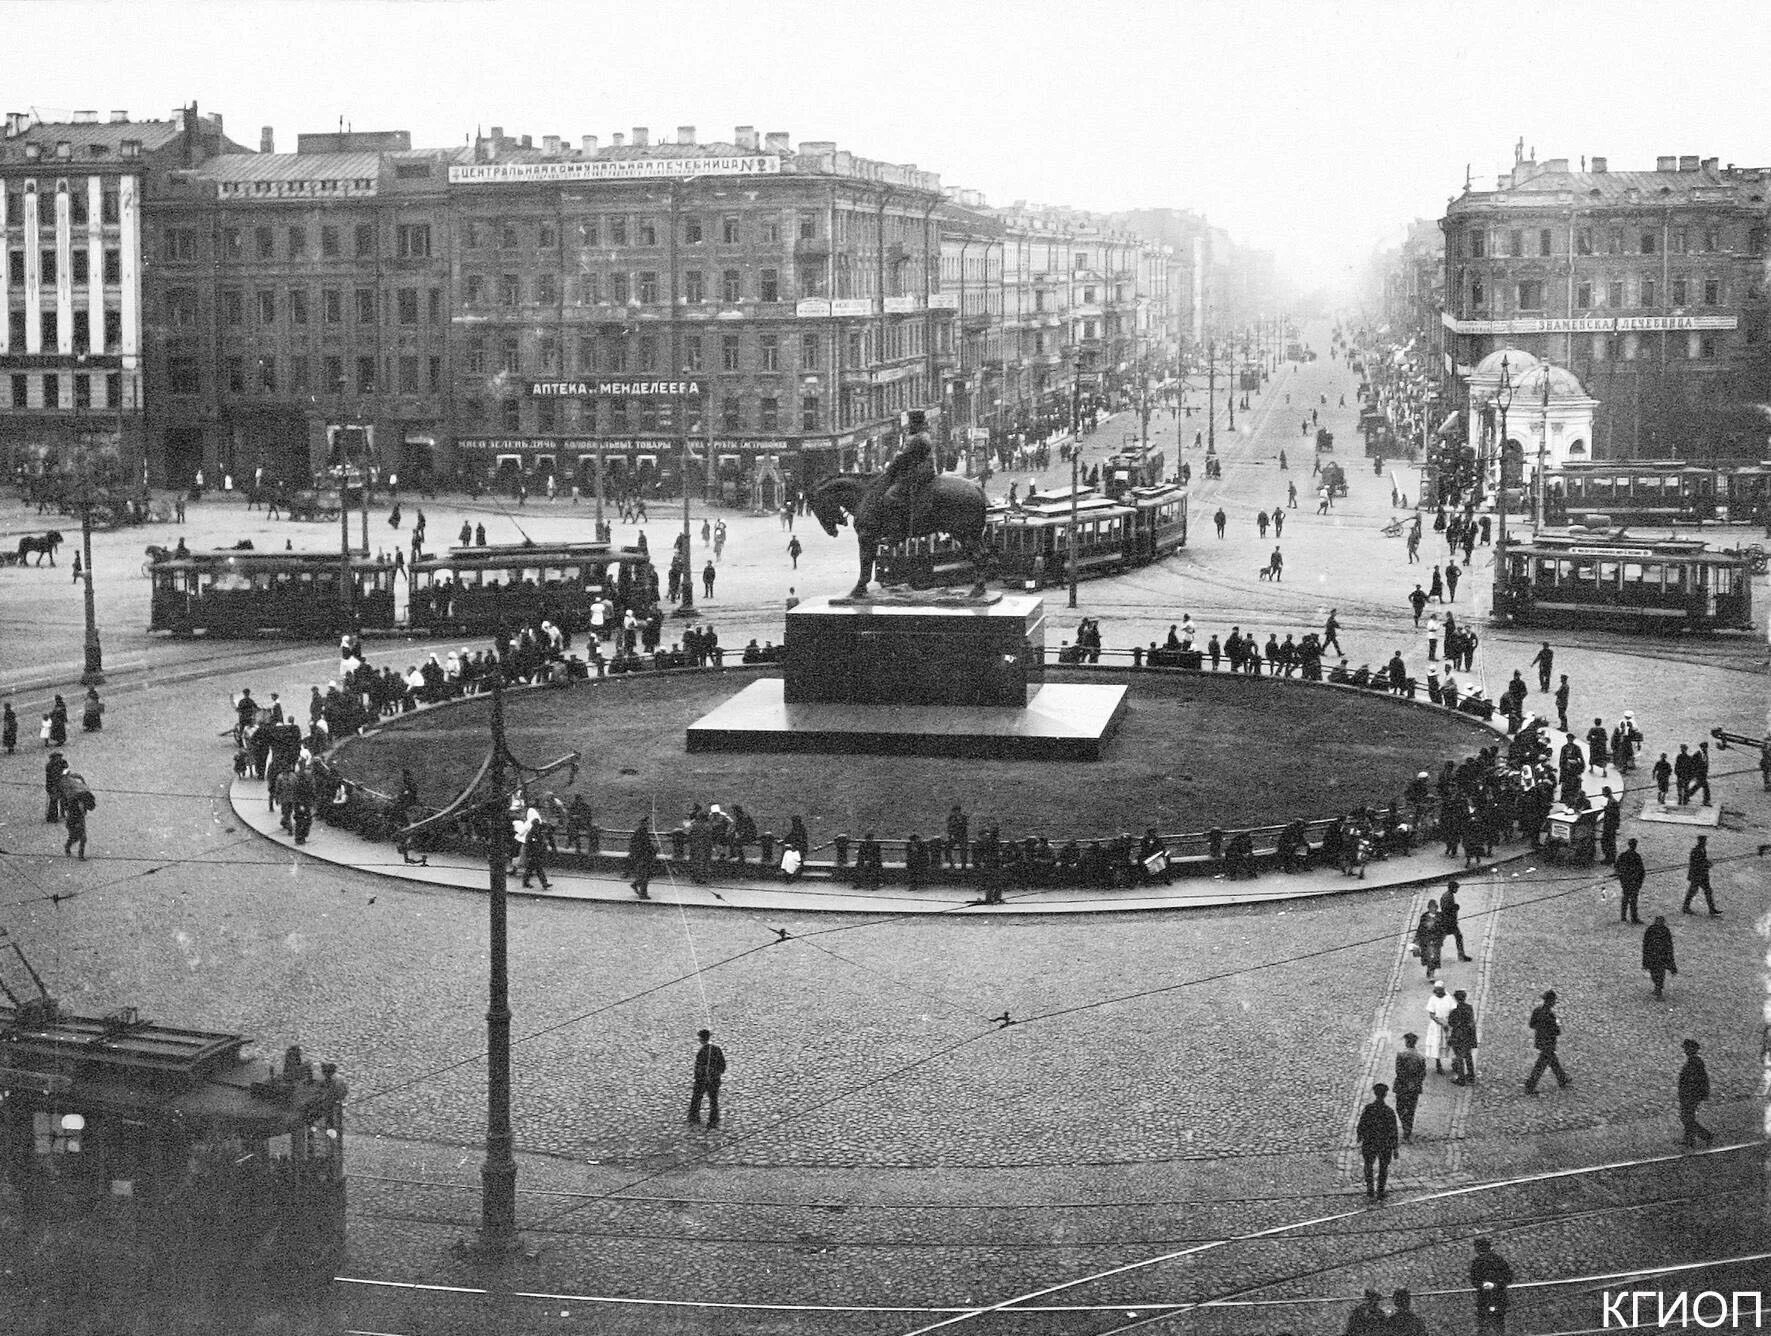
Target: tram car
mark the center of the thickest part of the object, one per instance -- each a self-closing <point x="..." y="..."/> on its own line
<point x="1132" y="468"/>
<point x="1616" y="583"/>
<point x="481" y="589"/>
<point x="237" y="594"/>
<point x="129" y="1141"/>
<point x="1029" y="545"/>
<point x="1642" y="492"/>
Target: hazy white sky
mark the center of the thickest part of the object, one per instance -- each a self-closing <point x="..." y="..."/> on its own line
<point x="1314" y="129"/>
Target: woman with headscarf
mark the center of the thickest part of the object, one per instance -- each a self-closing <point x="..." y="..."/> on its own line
<point x="58" y="723"/>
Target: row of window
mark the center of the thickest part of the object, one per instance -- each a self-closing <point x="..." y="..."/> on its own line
<point x="50" y="331"/>
<point x="625" y="230"/>
<point x="1616" y="240"/>
<point x="618" y="416"/>
<point x="621" y="288"/>
<point x="411" y="241"/>
<point x="79" y="267"/>
<point x="268" y="375"/>
<point x="79" y="210"/>
<point x="624" y="353"/>
<point x="1530" y="293"/>
<point x="402" y="306"/>
<point x="50" y="391"/>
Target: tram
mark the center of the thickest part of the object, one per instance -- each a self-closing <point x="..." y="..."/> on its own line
<point x="1616" y="583"/>
<point x="1029" y="544"/>
<point x="236" y="594"/>
<point x="1657" y="492"/>
<point x="483" y="588"/>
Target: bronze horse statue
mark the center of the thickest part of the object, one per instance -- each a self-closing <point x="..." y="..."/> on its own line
<point x="948" y="505"/>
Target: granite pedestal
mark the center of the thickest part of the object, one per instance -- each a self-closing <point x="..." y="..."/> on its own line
<point x="916" y="678"/>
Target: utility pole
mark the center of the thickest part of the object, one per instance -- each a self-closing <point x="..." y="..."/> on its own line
<point x="498" y="1175"/>
<point x="1075" y="467"/>
<point x="687" y="607"/>
<point x="1211" y="394"/>
<point x="1543" y="445"/>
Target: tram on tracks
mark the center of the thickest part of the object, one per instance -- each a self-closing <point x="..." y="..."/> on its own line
<point x="231" y="594"/>
<point x="1657" y="492"/>
<point x="480" y="589"/>
<point x="1615" y="582"/>
<point x="1029" y="543"/>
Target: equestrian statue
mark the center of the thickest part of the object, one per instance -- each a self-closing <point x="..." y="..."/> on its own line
<point x="909" y="500"/>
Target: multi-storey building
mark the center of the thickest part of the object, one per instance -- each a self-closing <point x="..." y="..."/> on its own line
<point x="1649" y="286"/>
<point x="1036" y="303"/>
<point x="972" y="367"/>
<point x="72" y="282"/>
<point x="292" y="294"/>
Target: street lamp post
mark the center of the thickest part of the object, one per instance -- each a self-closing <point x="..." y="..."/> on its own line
<point x="1543" y="443"/>
<point x="687" y="607"/>
<point x="1075" y="467"/>
<point x="498" y="1173"/>
<point x="94" y="674"/>
<point x="1211" y="395"/>
<point x="1503" y="400"/>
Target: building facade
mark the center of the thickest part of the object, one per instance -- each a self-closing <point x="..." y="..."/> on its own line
<point x="72" y="283"/>
<point x="1649" y="286"/>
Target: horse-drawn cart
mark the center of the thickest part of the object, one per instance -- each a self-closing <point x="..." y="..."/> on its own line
<point x="309" y="504"/>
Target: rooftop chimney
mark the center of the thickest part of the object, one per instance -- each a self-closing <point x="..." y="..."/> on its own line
<point x="85" y="118"/>
<point x="120" y="117"/>
<point x="550" y="145"/>
<point x="1599" y="166"/>
<point x="617" y="140"/>
<point x="685" y="134"/>
<point x="642" y="137"/>
<point x="497" y="133"/>
<point x="776" y="141"/>
<point x="745" y="137"/>
<point x="15" y="123"/>
<point x="1687" y="162"/>
<point x="588" y="143"/>
<point x="267" y="142"/>
<point x="1708" y="165"/>
<point x="1666" y="164"/>
<point x="528" y="142"/>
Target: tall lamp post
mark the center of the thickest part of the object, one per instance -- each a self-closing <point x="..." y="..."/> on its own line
<point x="1503" y="400"/>
<point x="1211" y="395"/>
<point x="1075" y="466"/>
<point x="1543" y="444"/>
<point x="687" y="607"/>
<point x="94" y="674"/>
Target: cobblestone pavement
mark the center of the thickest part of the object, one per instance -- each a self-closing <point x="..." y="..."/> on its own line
<point x="1163" y="1082"/>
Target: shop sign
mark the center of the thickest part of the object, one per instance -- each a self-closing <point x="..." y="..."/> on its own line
<point x="807" y="307"/>
<point x="900" y="305"/>
<point x="630" y="389"/>
<point x="852" y="306"/>
<point x="634" y="169"/>
<point x="1602" y="324"/>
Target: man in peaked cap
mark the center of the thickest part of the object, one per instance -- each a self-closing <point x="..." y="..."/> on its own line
<point x="1694" y="1089"/>
<point x="1379" y="1135"/>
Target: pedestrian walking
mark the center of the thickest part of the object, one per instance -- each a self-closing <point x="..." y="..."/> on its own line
<point x="1545" y="660"/>
<point x="1562" y="712"/>
<point x="1411" y="1079"/>
<point x="58" y="723"/>
<point x="1682" y="768"/>
<point x="1323" y="500"/>
<point x="1694" y="1089"/>
<point x="1331" y="631"/>
<point x="707" y="574"/>
<point x="1449" y="909"/>
<point x="1697" y="877"/>
<point x="710" y="1070"/>
<point x="1261" y="522"/>
<point x="1452" y="575"/>
<point x="1700" y="771"/>
<point x="1663" y="777"/>
<point x="53" y="769"/>
<point x="793" y="551"/>
<point x="1657" y="953"/>
<point x="75" y="807"/>
<point x="1610" y="819"/>
<point x="1438" y="1010"/>
<point x="1276" y="565"/>
<point x="1379" y="1135"/>
<point x="1220" y="520"/>
<point x="8" y="729"/>
<point x="1418" y="601"/>
<point x="1461" y="1030"/>
<point x="1429" y="939"/>
<point x="535" y="843"/>
<point x="642" y="858"/>
<point x="1433" y="638"/>
<point x="92" y="712"/>
<point x="1546" y="1031"/>
<point x="1490" y="1278"/>
<point x="1436" y="591"/>
<point x="1599" y="748"/>
<point x="78" y="568"/>
<point x="1631" y="874"/>
<point x="719" y="540"/>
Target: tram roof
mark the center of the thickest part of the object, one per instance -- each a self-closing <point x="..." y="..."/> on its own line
<point x="1619" y="544"/>
<point x="1654" y="466"/>
<point x="115" y="1042"/>
<point x="1044" y="507"/>
<point x="260" y="561"/>
<point x="531" y="554"/>
<point x="1162" y="491"/>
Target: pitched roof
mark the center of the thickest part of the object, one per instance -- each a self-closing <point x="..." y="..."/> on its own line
<point x="107" y="136"/>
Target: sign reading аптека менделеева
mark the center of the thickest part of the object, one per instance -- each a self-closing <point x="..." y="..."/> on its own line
<point x="625" y="389"/>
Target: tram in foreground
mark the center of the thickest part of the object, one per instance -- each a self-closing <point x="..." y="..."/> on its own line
<point x="1667" y="492"/>
<point x="237" y="594"/>
<point x="480" y="589"/>
<point x="1029" y="544"/>
<point x="1617" y="583"/>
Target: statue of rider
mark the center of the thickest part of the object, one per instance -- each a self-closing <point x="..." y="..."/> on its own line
<point x="911" y="473"/>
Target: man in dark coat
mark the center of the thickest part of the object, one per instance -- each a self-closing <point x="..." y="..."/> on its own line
<point x="1460" y="1027"/>
<point x="1547" y="1030"/>
<point x="1683" y="764"/>
<point x="1700" y="772"/>
<point x="958" y="842"/>
<point x="710" y="1070"/>
<point x="75" y="806"/>
<point x="700" y="848"/>
<point x="53" y="769"/>
<point x="1545" y="661"/>
<point x="1490" y="1276"/>
<point x="1368" y="1317"/>
<point x="1562" y="703"/>
<point x="1631" y="874"/>
<point x="1379" y="1134"/>
<point x="1697" y="877"/>
<point x="1448" y="923"/>
<point x="642" y="858"/>
<point x="1610" y="820"/>
<point x="1411" y="1079"/>
<point x="1694" y="1089"/>
<point x="1657" y="953"/>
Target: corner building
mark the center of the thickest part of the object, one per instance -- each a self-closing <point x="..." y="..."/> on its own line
<point x="796" y="293"/>
<point x="1649" y="286"/>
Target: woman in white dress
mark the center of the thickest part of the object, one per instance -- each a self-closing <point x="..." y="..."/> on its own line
<point x="1438" y="1037"/>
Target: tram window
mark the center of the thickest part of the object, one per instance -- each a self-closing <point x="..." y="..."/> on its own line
<point x="1722" y="579"/>
<point x="1608" y="574"/>
<point x="1634" y="573"/>
<point x="1675" y="578"/>
<point x="1583" y="574"/>
<point x="1599" y="489"/>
